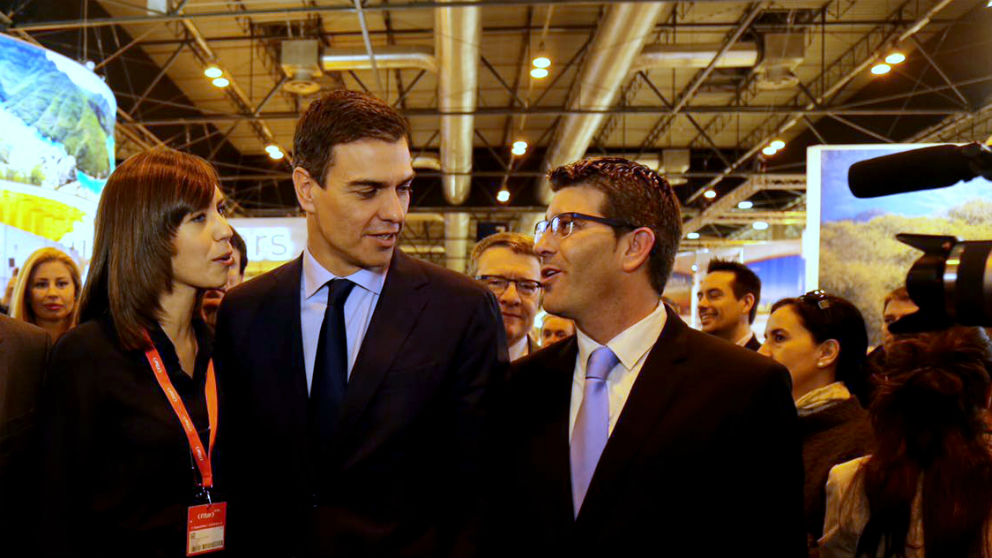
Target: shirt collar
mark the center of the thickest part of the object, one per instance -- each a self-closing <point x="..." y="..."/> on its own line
<point x="315" y="277"/>
<point x="743" y="341"/>
<point x="520" y="348"/>
<point x="631" y="344"/>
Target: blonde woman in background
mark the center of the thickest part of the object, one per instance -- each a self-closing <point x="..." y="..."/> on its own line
<point x="46" y="292"/>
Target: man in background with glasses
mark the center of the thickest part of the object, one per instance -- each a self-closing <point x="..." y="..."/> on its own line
<point x="507" y="264"/>
<point x="639" y="435"/>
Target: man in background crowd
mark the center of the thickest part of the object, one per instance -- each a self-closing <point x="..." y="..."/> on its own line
<point x="896" y="305"/>
<point x="728" y="302"/>
<point x="507" y="264"/>
<point x="555" y="328"/>
<point x="235" y="276"/>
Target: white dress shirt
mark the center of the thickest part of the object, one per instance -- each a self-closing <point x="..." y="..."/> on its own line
<point x="631" y="347"/>
<point x="743" y="341"/>
<point x="519" y="349"/>
<point x="358" y="308"/>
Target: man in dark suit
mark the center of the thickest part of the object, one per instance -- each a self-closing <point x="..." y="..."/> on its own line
<point x="639" y="435"/>
<point x="728" y="302"/>
<point x="23" y="351"/>
<point x="355" y="380"/>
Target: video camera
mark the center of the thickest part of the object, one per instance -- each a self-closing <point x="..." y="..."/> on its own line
<point x="951" y="283"/>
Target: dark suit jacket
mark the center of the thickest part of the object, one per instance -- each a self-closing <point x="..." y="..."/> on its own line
<point x="753" y="343"/>
<point x="704" y="460"/>
<point x="23" y="351"/>
<point x="404" y="474"/>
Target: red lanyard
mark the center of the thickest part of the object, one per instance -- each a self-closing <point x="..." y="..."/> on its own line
<point x="202" y="456"/>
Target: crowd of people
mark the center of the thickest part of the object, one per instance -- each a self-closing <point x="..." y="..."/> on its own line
<point x="359" y="402"/>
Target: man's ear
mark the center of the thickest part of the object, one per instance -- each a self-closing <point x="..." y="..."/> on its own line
<point x="639" y="244"/>
<point x="304" y="184"/>
<point x="828" y="352"/>
<point x="748" y="301"/>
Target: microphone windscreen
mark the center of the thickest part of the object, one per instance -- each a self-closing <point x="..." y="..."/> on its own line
<point x="909" y="171"/>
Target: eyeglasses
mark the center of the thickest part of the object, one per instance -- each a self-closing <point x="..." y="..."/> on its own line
<point x="818" y="298"/>
<point x="561" y="225"/>
<point x="498" y="285"/>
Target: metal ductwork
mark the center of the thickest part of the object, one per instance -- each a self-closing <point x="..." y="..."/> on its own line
<point x="386" y="58"/>
<point x="740" y="55"/>
<point x="427" y="161"/>
<point x="456" y="240"/>
<point x="618" y="42"/>
<point x="457" y="33"/>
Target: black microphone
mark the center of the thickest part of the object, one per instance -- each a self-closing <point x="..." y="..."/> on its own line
<point x="909" y="171"/>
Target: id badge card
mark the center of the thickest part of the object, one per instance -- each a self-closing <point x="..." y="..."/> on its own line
<point x="205" y="528"/>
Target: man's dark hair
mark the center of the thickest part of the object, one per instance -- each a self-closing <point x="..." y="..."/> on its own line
<point x="339" y="117"/>
<point x="238" y="244"/>
<point x="634" y="194"/>
<point x="745" y="281"/>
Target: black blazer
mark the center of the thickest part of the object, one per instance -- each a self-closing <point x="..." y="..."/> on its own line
<point x="404" y="478"/>
<point x="753" y="343"/>
<point x="704" y="460"/>
<point x="23" y="350"/>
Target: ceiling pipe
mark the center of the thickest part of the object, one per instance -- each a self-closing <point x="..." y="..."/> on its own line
<point x="457" y="32"/>
<point x="618" y="42"/>
<point x="741" y="55"/>
<point x="386" y="58"/>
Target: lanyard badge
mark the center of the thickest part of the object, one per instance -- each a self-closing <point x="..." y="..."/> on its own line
<point x="205" y="523"/>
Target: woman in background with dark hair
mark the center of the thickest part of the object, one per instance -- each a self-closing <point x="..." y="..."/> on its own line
<point x="124" y="463"/>
<point x="927" y="488"/>
<point x="821" y="339"/>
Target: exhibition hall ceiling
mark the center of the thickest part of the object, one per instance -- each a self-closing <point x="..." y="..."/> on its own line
<point x="696" y="89"/>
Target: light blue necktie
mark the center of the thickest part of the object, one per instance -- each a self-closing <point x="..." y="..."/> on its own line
<point x="592" y="425"/>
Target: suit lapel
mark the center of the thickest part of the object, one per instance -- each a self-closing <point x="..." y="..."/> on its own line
<point x="399" y="306"/>
<point x="652" y="393"/>
<point x="282" y="317"/>
<point x="553" y="440"/>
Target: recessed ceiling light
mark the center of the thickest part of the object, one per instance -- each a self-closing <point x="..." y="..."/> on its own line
<point x="542" y="62"/>
<point x="895" y="58"/>
<point x="879" y="69"/>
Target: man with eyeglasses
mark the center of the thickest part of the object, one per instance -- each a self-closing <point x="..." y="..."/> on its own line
<point x="507" y="264"/>
<point x="639" y="434"/>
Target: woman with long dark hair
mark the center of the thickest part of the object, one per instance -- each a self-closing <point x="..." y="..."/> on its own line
<point x="822" y="341"/>
<point x="927" y="488"/>
<point x="129" y="417"/>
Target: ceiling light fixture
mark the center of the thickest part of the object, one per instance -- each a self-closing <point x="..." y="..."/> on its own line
<point x="895" y="58"/>
<point x="541" y="62"/>
<point x="692" y="236"/>
<point x="538" y="73"/>
<point x="746" y="204"/>
<point x="709" y="194"/>
<point x="503" y="195"/>
<point x="777" y="144"/>
<point x="759" y="225"/>
<point x="769" y="151"/>
<point x="276" y="155"/>
<point x="880" y="69"/>
<point x="213" y="72"/>
<point x="221" y="82"/>
<point x="519" y="147"/>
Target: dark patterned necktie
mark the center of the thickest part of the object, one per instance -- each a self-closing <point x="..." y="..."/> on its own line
<point x="330" y="369"/>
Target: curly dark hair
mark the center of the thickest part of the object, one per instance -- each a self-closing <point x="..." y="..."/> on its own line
<point x="634" y="194"/>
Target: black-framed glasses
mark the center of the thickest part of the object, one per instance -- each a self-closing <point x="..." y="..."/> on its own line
<point x="563" y="224"/>
<point x="818" y="298"/>
<point x="498" y="285"/>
